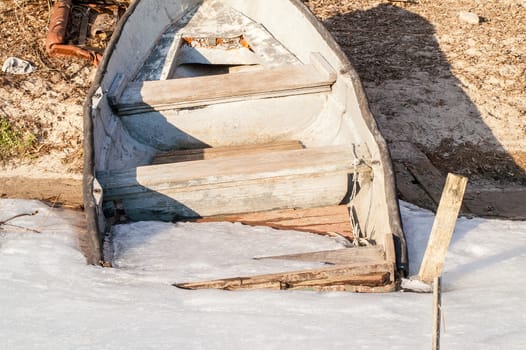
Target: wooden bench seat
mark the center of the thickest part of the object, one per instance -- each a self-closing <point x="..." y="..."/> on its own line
<point x="223" y="152"/>
<point x="304" y="178"/>
<point x="146" y="96"/>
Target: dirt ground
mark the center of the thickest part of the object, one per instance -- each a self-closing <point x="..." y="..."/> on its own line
<point x="455" y="91"/>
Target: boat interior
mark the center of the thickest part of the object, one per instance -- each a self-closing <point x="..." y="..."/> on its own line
<point x="215" y="116"/>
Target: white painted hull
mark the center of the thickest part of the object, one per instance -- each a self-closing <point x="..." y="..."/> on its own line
<point x="128" y="123"/>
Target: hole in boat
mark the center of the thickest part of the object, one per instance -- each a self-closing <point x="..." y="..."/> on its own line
<point x="199" y="56"/>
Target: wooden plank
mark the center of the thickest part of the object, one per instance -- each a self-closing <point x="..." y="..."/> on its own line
<point x="443" y="227"/>
<point x="409" y="189"/>
<point x="336" y="257"/>
<point x="312" y="177"/>
<point x="370" y="280"/>
<point x="491" y="201"/>
<point x="417" y="178"/>
<point x="437" y="312"/>
<point x="170" y="61"/>
<point x="387" y="288"/>
<point x="318" y="61"/>
<point x="324" y="220"/>
<point x="184" y="176"/>
<point x="421" y="173"/>
<point x="295" y="191"/>
<point x="204" y="90"/>
<point x="352" y="274"/>
<point x="223" y="152"/>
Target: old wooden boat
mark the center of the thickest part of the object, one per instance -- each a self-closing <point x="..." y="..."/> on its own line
<point x="224" y="110"/>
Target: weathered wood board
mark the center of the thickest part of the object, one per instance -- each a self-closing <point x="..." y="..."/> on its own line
<point x="145" y="96"/>
<point x="370" y="275"/>
<point x="223" y="152"/>
<point x="312" y="177"/>
<point x="443" y="228"/>
<point x="373" y="254"/>
<point x="321" y="220"/>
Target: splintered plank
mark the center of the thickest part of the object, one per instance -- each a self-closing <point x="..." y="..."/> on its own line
<point x="223" y="152"/>
<point x="324" y="220"/>
<point x="344" y="256"/>
<point x="370" y="275"/>
<point x="146" y="96"/>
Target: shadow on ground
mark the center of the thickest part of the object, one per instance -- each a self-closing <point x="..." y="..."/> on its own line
<point x="430" y="124"/>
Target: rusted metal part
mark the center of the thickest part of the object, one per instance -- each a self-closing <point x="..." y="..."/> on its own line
<point x="57" y="42"/>
<point x="58" y="23"/>
<point x="59" y="50"/>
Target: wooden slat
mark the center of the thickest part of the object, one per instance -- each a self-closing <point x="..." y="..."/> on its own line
<point x="337" y="257"/>
<point x="196" y="91"/>
<point x="222" y="152"/>
<point x="325" y="220"/>
<point x="443" y="228"/>
<point x="387" y="288"/>
<point x="352" y="274"/>
<point x="369" y="280"/>
<point x="306" y="178"/>
<point x="322" y="160"/>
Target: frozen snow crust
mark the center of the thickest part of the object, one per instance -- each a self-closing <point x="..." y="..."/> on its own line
<point x="49" y="298"/>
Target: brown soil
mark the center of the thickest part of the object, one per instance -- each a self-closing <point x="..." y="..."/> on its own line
<point x="455" y="90"/>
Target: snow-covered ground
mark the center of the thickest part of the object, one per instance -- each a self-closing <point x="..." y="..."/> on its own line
<point x="49" y="299"/>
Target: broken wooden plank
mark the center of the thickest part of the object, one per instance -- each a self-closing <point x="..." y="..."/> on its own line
<point x="322" y="220"/>
<point x="369" y="280"/>
<point x="351" y="274"/>
<point x="170" y="61"/>
<point x="344" y="256"/>
<point x="223" y="152"/>
<point x="144" y="96"/>
<point x="387" y="288"/>
<point x="443" y="228"/>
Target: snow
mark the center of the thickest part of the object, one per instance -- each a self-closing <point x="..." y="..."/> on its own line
<point x="49" y="298"/>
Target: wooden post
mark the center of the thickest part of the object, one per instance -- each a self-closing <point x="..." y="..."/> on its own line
<point x="437" y="312"/>
<point x="443" y="228"/>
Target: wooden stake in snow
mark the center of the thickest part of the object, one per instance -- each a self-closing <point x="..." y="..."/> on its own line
<point x="437" y="312"/>
<point x="443" y="227"/>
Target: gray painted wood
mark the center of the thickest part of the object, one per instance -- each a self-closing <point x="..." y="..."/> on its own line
<point x="303" y="178"/>
<point x="373" y="254"/>
<point x="197" y="91"/>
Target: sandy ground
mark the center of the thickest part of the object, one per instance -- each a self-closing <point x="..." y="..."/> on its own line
<point x="455" y="91"/>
